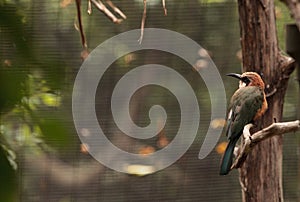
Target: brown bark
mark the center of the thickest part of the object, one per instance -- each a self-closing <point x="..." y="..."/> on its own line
<point x="251" y="140"/>
<point x="261" y="174"/>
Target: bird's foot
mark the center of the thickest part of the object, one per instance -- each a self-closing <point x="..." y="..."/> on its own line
<point x="246" y="132"/>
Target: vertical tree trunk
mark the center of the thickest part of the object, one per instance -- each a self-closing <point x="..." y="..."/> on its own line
<point x="261" y="174"/>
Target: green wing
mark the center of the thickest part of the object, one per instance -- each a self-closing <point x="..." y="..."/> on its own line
<point x="243" y="107"/>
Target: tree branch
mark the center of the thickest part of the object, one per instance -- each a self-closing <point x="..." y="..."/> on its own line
<point x="294" y="7"/>
<point x="143" y="21"/>
<point x="251" y="140"/>
<point x="164" y="7"/>
<point x="83" y="40"/>
<point x="116" y="9"/>
<point x="101" y="7"/>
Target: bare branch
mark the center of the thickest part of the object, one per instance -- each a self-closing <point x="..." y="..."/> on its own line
<point x="164" y="7"/>
<point x="116" y="9"/>
<point x="143" y="21"/>
<point x="294" y="7"/>
<point x="101" y="7"/>
<point x="78" y="7"/>
<point x="250" y="141"/>
<point x="89" y="10"/>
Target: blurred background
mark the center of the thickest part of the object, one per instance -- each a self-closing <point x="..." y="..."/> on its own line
<point x="41" y="156"/>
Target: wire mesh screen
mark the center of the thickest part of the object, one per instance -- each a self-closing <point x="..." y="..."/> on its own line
<point x="42" y="157"/>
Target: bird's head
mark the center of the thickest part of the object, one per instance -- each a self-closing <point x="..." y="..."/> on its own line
<point x="249" y="79"/>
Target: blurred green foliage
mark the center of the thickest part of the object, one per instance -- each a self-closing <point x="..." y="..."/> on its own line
<point x="14" y="50"/>
<point x="28" y="95"/>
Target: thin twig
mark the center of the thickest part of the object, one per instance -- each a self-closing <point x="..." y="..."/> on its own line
<point x="116" y="9"/>
<point x="164" y="7"/>
<point x="143" y="22"/>
<point x="272" y="92"/>
<point x="270" y="131"/>
<point x="89" y="10"/>
<point x="101" y="7"/>
<point x="83" y="41"/>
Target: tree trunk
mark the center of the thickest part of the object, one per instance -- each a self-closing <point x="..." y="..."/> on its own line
<point x="261" y="173"/>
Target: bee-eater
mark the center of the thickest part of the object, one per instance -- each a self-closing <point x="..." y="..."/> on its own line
<point x="247" y="104"/>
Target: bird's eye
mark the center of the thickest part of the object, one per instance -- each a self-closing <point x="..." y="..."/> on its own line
<point x="246" y="80"/>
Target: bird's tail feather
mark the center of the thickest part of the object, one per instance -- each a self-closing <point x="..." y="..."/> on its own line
<point x="227" y="157"/>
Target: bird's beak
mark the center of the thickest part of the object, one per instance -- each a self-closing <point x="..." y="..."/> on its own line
<point x="238" y="76"/>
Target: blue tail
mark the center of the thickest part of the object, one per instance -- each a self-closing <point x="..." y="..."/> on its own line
<point x="227" y="158"/>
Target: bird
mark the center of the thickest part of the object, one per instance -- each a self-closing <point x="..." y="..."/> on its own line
<point x="247" y="105"/>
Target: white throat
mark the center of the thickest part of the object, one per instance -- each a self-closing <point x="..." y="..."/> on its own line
<point x="242" y="84"/>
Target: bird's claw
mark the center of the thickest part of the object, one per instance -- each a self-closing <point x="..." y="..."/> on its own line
<point x="246" y="131"/>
